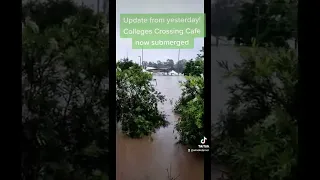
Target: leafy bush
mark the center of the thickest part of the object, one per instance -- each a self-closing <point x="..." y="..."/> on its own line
<point x="137" y="101"/>
<point x="65" y="99"/>
<point x="190" y="105"/>
<point x="191" y="108"/>
<point x="257" y="136"/>
<point x="194" y="67"/>
<point x="190" y="88"/>
<point x="126" y="64"/>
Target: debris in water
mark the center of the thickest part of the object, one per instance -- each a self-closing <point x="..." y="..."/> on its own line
<point x="150" y="139"/>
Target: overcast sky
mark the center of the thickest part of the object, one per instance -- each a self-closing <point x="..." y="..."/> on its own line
<point x="156" y="6"/>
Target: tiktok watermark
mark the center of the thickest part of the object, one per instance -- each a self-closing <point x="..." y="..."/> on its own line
<point x="203" y="147"/>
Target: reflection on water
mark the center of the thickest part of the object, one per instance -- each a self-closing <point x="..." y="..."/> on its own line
<point x="150" y="157"/>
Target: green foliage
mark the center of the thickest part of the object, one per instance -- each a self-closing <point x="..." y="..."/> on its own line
<point x="201" y="55"/>
<point x="271" y="22"/>
<point x="126" y="64"/>
<point x="190" y="105"/>
<point x="137" y="101"/>
<point x="65" y="97"/>
<point x="257" y="136"/>
<point x="191" y="108"/>
<point x="194" y="67"/>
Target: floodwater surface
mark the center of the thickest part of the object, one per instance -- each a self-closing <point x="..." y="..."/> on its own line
<point x="151" y="158"/>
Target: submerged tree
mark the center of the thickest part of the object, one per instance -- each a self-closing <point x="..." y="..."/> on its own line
<point x="190" y="105"/>
<point x="137" y="101"/>
<point x="194" y="67"/>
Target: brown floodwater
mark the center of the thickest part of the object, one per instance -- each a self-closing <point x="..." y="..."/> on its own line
<point x="151" y="158"/>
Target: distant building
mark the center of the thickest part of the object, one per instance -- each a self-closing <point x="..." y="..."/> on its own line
<point x="173" y="73"/>
<point x="150" y="68"/>
<point x="143" y="70"/>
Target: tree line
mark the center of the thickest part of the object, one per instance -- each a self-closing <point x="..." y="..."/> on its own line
<point x="182" y="66"/>
<point x="169" y="63"/>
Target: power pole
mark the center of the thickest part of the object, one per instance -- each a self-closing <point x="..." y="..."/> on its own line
<point x="140" y="60"/>
<point x="142" y="53"/>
